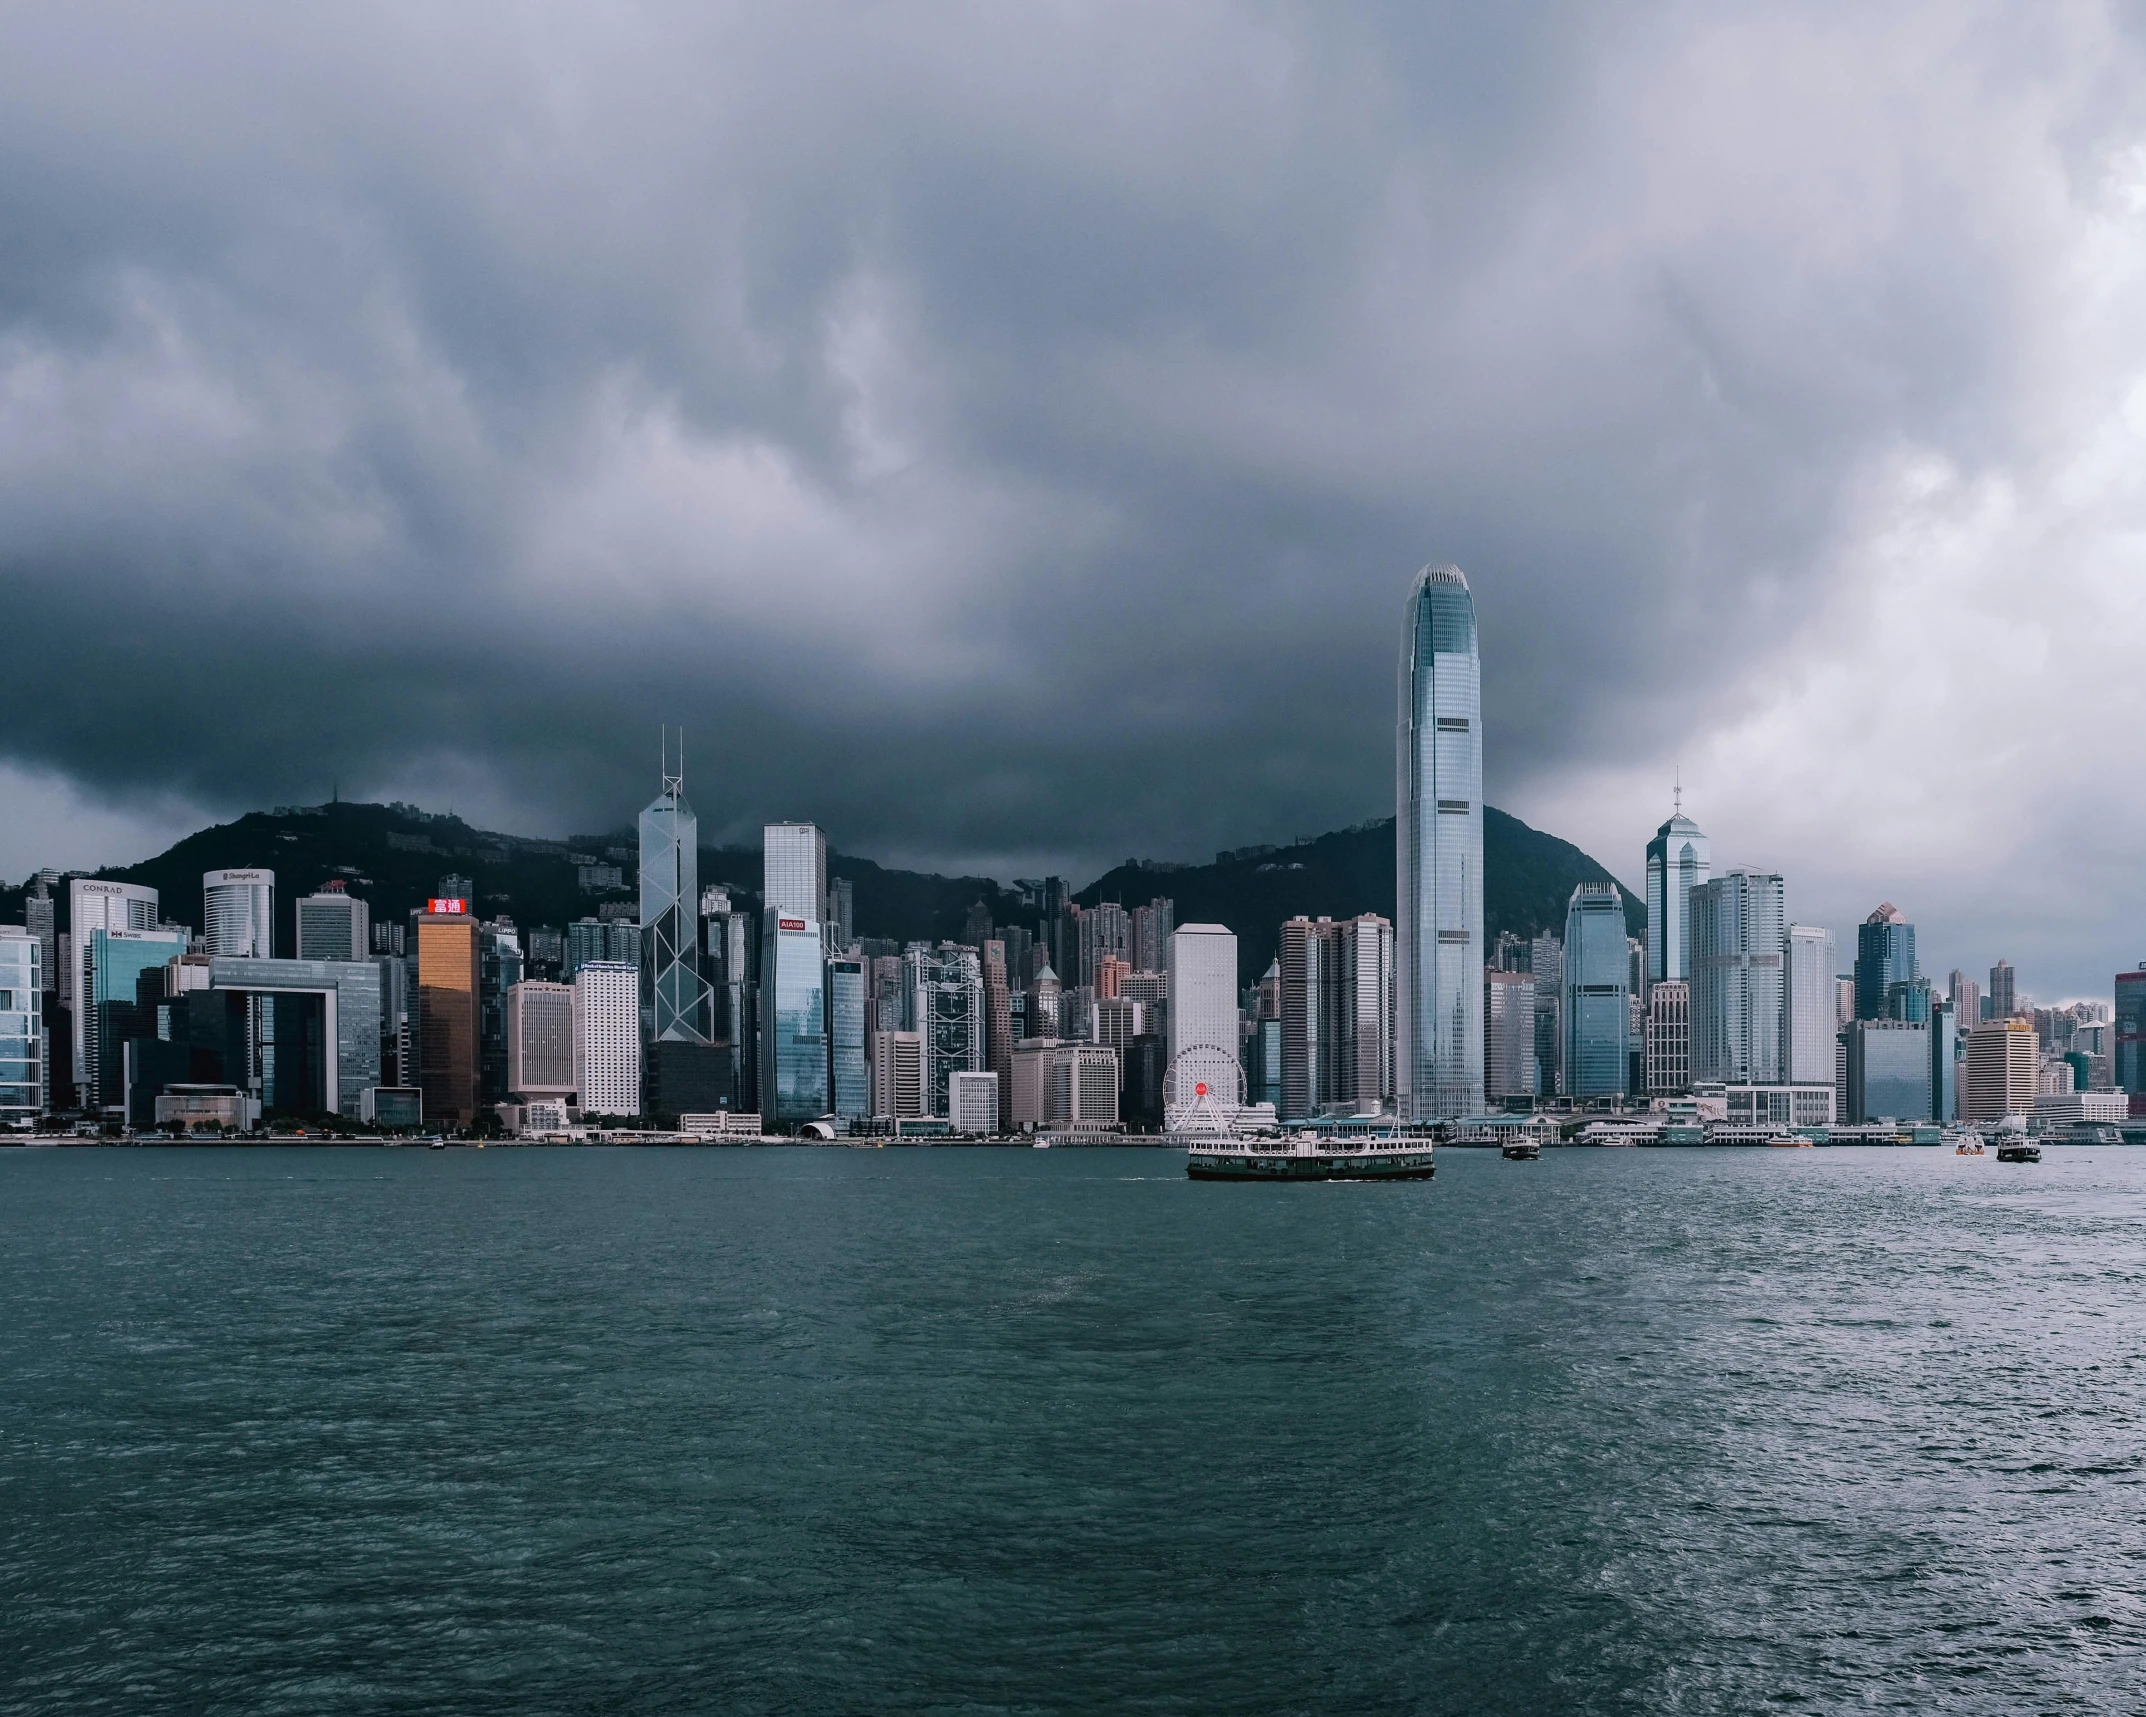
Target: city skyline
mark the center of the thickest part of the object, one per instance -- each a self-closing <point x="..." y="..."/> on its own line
<point x="1062" y="516"/>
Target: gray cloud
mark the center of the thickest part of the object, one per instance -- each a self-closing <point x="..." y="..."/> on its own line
<point x="1006" y="435"/>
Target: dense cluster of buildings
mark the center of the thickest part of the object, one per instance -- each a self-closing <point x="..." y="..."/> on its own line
<point x="693" y="1008"/>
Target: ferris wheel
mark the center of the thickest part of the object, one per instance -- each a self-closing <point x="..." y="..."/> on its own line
<point x="1203" y="1091"/>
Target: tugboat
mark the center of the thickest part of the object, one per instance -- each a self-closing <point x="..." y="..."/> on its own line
<point x="1381" y="1157"/>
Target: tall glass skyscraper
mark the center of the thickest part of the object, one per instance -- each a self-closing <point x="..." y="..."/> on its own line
<point x="795" y="1066"/>
<point x="674" y="996"/>
<point x="1598" y="980"/>
<point x="1739" y="924"/>
<point x="1438" y="840"/>
<point x="1677" y="863"/>
<point x="1884" y="956"/>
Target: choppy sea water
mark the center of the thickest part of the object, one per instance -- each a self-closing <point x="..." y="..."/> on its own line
<point x="1021" y="1431"/>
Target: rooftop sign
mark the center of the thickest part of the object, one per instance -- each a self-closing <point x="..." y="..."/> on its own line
<point x="447" y="905"/>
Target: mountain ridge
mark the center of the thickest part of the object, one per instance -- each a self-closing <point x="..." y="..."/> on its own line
<point x="393" y="857"/>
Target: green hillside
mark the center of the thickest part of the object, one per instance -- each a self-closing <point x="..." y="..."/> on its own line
<point x="395" y="856"/>
<point x="1528" y="877"/>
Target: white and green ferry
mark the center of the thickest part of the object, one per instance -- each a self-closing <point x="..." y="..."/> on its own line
<point x="1358" y="1157"/>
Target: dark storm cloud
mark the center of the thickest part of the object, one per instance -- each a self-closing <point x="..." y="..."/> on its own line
<point x="1002" y="434"/>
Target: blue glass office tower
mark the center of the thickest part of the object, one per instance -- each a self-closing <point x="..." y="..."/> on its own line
<point x="849" y="1080"/>
<point x="795" y="1065"/>
<point x="1598" y="989"/>
<point x="1438" y="842"/>
<point x="1884" y="956"/>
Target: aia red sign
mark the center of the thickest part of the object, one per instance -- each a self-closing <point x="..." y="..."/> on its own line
<point x="791" y="923"/>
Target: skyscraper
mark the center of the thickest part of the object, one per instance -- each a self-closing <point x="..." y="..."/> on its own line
<point x="849" y="1080"/>
<point x="1597" y="990"/>
<point x="94" y="906"/>
<point x="1884" y="956"/>
<point x="1546" y="960"/>
<point x="1438" y="836"/>
<point x="333" y="924"/>
<point x="998" y="1022"/>
<point x="1508" y="1034"/>
<point x="674" y="996"/>
<point x="1336" y="1020"/>
<point x="946" y="1005"/>
<point x="1966" y="997"/>
<point x="39" y="918"/>
<point x="607" y="1038"/>
<point x="1739" y="925"/>
<point x="1203" y="1027"/>
<point x="1153" y="925"/>
<point x="1808" y="1004"/>
<point x="239" y="913"/>
<point x="793" y="869"/>
<point x="448" y="1015"/>
<point x="794" y="1065"/>
<point x="2002" y="1061"/>
<point x="2128" y="1039"/>
<point x="1678" y="861"/>
<point x="22" y="1041"/>
<point x="540" y="1040"/>
<point x="1668" y="1038"/>
<point x="1106" y="930"/>
<point x="2004" y="998"/>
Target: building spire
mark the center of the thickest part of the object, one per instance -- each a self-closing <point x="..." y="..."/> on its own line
<point x="1680" y="790"/>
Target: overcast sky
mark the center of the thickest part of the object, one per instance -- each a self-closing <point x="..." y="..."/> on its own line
<point x="1006" y="434"/>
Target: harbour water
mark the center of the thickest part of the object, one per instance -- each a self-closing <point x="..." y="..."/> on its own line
<point x="1022" y="1431"/>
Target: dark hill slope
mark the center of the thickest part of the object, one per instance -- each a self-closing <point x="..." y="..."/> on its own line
<point x="1528" y="877"/>
<point x="395" y="856"/>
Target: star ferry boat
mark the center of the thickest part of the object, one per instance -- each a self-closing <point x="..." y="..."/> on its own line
<point x="1371" y="1157"/>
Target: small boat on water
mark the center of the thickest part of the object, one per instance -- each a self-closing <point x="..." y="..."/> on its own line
<point x="1971" y="1146"/>
<point x="1379" y="1157"/>
<point x="1521" y="1150"/>
<point x="2019" y="1153"/>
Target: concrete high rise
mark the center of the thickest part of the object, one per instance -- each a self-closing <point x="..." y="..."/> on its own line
<point x="2004" y="997"/>
<point x="897" y="1075"/>
<point x="607" y="1037"/>
<point x="1106" y="930"/>
<point x="2000" y="1077"/>
<point x="793" y="870"/>
<point x="998" y="1022"/>
<point x="1438" y="836"/>
<point x="1678" y="861"/>
<point x="1336" y="1017"/>
<point x="1667" y="1053"/>
<point x="1810" y="996"/>
<point x="1739" y="927"/>
<point x="40" y="919"/>
<point x="239" y="914"/>
<point x="540" y="1040"/>
<point x="334" y="924"/>
<point x="1153" y="925"/>
<point x="1203" y="1028"/>
<point x="1966" y="998"/>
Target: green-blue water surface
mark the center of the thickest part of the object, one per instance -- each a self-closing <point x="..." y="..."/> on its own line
<point x="364" y="1430"/>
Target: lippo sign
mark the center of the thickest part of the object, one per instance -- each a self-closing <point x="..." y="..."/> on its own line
<point x="448" y="905"/>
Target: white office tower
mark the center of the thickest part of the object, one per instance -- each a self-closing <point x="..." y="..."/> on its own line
<point x="1807" y="1026"/>
<point x="334" y="925"/>
<point x="793" y="870"/>
<point x="540" y="1040"/>
<point x="1438" y="839"/>
<point x="1678" y="861"/>
<point x="94" y="906"/>
<point x="22" y="1038"/>
<point x="239" y="914"/>
<point x="972" y="1103"/>
<point x="607" y="1037"/>
<point x="1203" y="1089"/>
